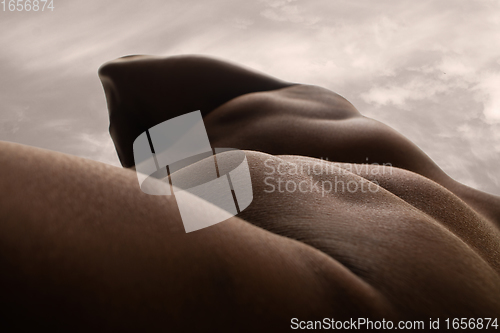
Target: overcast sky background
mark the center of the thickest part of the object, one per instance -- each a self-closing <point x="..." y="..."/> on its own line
<point x="430" y="69"/>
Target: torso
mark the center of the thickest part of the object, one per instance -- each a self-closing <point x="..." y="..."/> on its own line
<point x="409" y="238"/>
<point x="311" y="121"/>
<point x="407" y="235"/>
<point x="429" y="244"/>
<point x="315" y="122"/>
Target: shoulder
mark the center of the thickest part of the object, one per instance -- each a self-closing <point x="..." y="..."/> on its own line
<point x="143" y="91"/>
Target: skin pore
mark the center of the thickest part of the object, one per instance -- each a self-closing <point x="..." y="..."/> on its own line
<point x="80" y="242"/>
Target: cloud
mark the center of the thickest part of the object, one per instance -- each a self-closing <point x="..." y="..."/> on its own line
<point x="95" y="146"/>
<point x="240" y="23"/>
<point x="456" y="67"/>
<point x="13" y="119"/>
<point x="400" y="94"/>
<point x="488" y="91"/>
<point x="283" y="11"/>
<point x="277" y="3"/>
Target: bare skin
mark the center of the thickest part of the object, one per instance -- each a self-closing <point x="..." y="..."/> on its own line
<point x="417" y="245"/>
<point x="249" y="110"/>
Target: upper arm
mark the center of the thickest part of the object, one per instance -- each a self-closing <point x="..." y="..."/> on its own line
<point x="143" y="91"/>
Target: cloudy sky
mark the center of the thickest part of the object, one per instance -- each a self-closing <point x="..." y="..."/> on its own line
<point x="430" y="69"/>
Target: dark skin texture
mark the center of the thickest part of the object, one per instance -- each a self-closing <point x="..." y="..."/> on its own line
<point x="82" y="248"/>
<point x="257" y="112"/>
